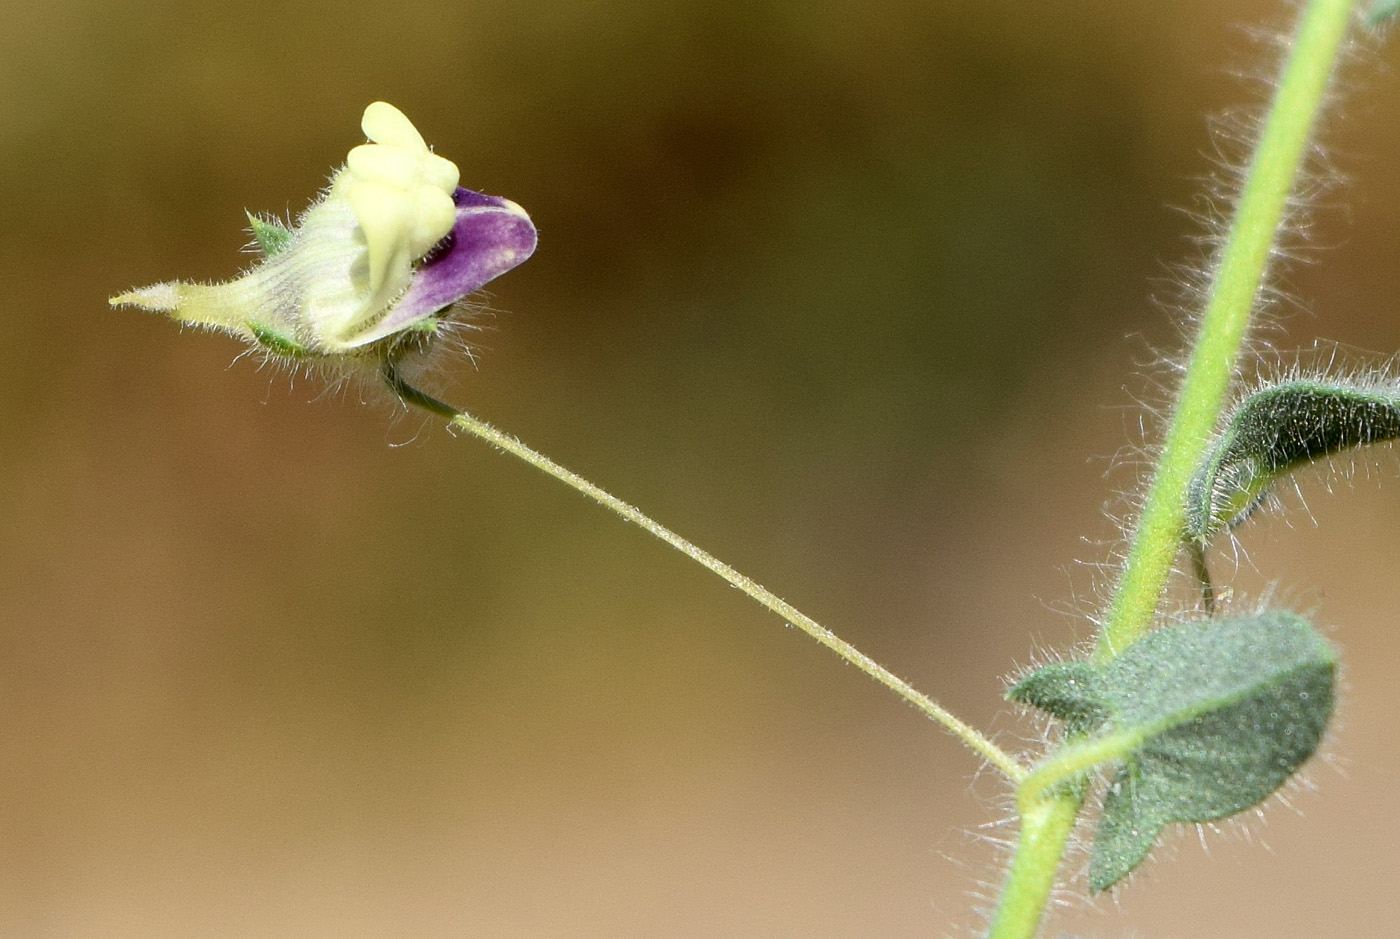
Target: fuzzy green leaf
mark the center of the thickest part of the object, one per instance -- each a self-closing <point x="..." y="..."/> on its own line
<point x="271" y="235"/>
<point x="1275" y="430"/>
<point x="1225" y="711"/>
<point x="1382" y="11"/>
<point x="1067" y="690"/>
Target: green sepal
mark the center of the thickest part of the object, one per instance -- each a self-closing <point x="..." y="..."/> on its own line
<point x="1225" y="711"/>
<point x="1277" y="429"/>
<point x="1381" y="11"/>
<point x="276" y="342"/>
<point x="271" y="235"/>
<point x="1067" y="690"/>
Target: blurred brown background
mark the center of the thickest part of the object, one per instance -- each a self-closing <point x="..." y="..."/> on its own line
<point x="858" y="295"/>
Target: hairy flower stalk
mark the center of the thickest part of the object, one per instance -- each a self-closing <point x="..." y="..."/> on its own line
<point x="372" y="269"/>
<point x="371" y="272"/>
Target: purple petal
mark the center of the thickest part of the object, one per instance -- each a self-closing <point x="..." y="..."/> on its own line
<point x="491" y="236"/>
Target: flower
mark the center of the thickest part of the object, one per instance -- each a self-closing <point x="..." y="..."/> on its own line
<point x="381" y="257"/>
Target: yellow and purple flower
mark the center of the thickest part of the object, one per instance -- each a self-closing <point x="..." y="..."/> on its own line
<point x="373" y="267"/>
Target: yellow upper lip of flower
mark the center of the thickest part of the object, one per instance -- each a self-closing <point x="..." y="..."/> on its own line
<point x="401" y="194"/>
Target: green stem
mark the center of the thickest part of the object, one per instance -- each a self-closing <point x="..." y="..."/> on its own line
<point x="1071" y="762"/>
<point x="1201" y="567"/>
<point x="465" y="422"/>
<point x="1047" y="818"/>
<point x="1234" y="291"/>
<point x="1045" y="831"/>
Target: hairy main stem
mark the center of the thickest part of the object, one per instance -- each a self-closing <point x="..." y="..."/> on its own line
<point x="463" y="421"/>
<point x="1046" y="824"/>
<point x="1233" y="294"/>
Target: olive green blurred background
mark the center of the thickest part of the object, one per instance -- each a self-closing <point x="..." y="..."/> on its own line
<point x="858" y="295"/>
